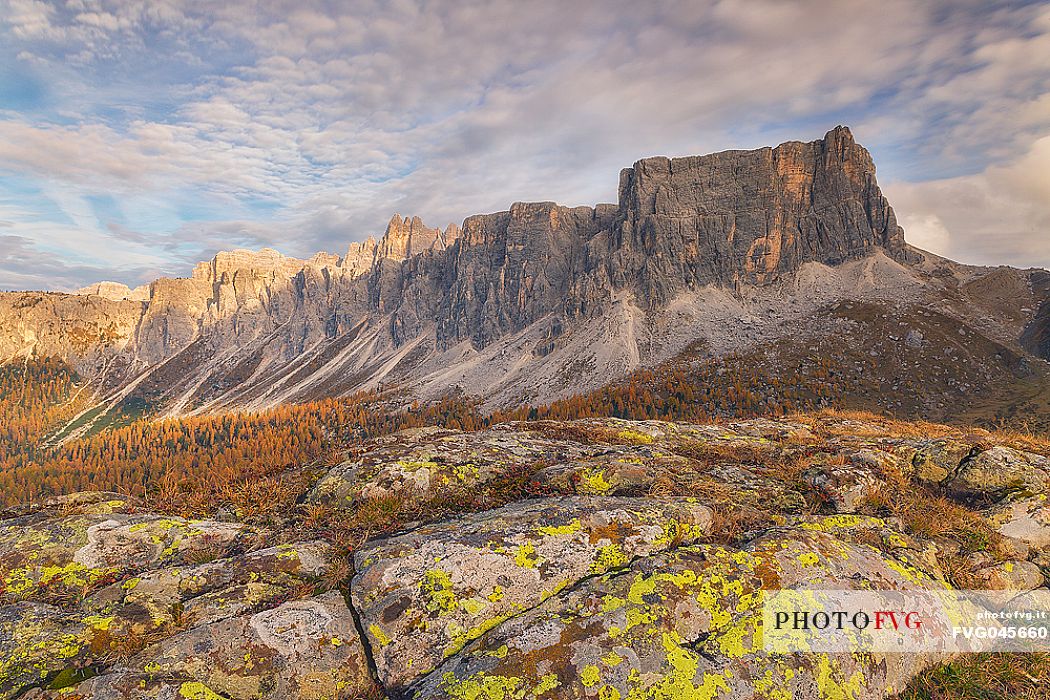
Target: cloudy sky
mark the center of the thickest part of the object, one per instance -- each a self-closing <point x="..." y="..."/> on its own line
<point x="139" y="136"/>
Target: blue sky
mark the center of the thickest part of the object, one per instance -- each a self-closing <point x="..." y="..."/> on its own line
<point x="139" y="136"/>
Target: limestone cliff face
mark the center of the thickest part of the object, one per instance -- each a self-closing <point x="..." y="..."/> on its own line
<point x="749" y="216"/>
<point x="66" y="325"/>
<point x="257" y="328"/>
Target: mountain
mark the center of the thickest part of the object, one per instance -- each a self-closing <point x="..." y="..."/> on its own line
<point x="785" y="248"/>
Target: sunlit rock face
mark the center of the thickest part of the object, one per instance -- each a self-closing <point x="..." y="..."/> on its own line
<point x="533" y="303"/>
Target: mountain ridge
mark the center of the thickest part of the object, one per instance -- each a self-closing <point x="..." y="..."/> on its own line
<point x="529" y="304"/>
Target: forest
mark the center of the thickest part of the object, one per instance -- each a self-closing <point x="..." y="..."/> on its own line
<point x="175" y="459"/>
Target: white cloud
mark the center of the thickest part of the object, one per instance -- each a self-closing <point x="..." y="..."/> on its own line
<point x="342" y="113"/>
<point x="998" y="216"/>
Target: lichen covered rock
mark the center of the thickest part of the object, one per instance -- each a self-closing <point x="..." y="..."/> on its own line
<point x="848" y="485"/>
<point x="195" y="595"/>
<point x="685" y="624"/>
<point x="643" y="576"/>
<point x="305" y="650"/>
<point x="47" y="553"/>
<point x="1026" y="520"/>
<point x="40" y="642"/>
<point x="933" y="461"/>
<point x="416" y="463"/>
<point x="998" y="471"/>
<point x="425" y="594"/>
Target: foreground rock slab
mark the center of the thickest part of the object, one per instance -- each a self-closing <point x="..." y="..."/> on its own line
<point x="686" y="624"/>
<point x="307" y="649"/>
<point x="425" y="594"/>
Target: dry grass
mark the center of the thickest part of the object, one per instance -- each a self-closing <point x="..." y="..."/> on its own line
<point x="828" y="423"/>
<point x="709" y="454"/>
<point x="731" y="525"/>
<point x="985" y="677"/>
<point x="264" y="495"/>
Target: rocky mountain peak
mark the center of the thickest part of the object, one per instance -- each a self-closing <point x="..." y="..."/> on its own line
<point x="264" y="262"/>
<point x="115" y="291"/>
<point x="406" y="237"/>
<point x="529" y="301"/>
<point x="747" y="217"/>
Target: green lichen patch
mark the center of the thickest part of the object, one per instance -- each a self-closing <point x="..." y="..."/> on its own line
<point x="684" y="624"/>
<point x="426" y="594"/>
<point x="212" y="591"/>
<point x="305" y="650"/>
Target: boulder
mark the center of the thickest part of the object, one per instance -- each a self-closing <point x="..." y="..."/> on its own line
<point x="1009" y="576"/>
<point x="205" y="593"/>
<point x="685" y="624"/>
<point x="40" y="642"/>
<point x="415" y="464"/>
<point x="421" y="596"/>
<point x="998" y="471"/>
<point x="304" y="650"/>
<point x="935" y="460"/>
<point x="127" y="685"/>
<point x="49" y="554"/>
<point x="1026" y="520"/>
<point x="616" y="471"/>
<point x="844" y="488"/>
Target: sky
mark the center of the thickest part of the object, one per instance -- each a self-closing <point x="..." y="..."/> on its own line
<point x="138" y="137"/>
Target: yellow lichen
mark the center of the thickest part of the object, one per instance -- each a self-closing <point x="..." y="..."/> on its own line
<point x="635" y="437"/>
<point x="608" y="557"/>
<point x="593" y="481"/>
<point x="809" y="558"/>
<point x="833" y="689"/>
<point x="194" y="690"/>
<point x="379" y="635"/>
<point x="568" y="529"/>
<point x="525" y="555"/>
<point x="438" y="591"/>
<point x="590" y="676"/>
